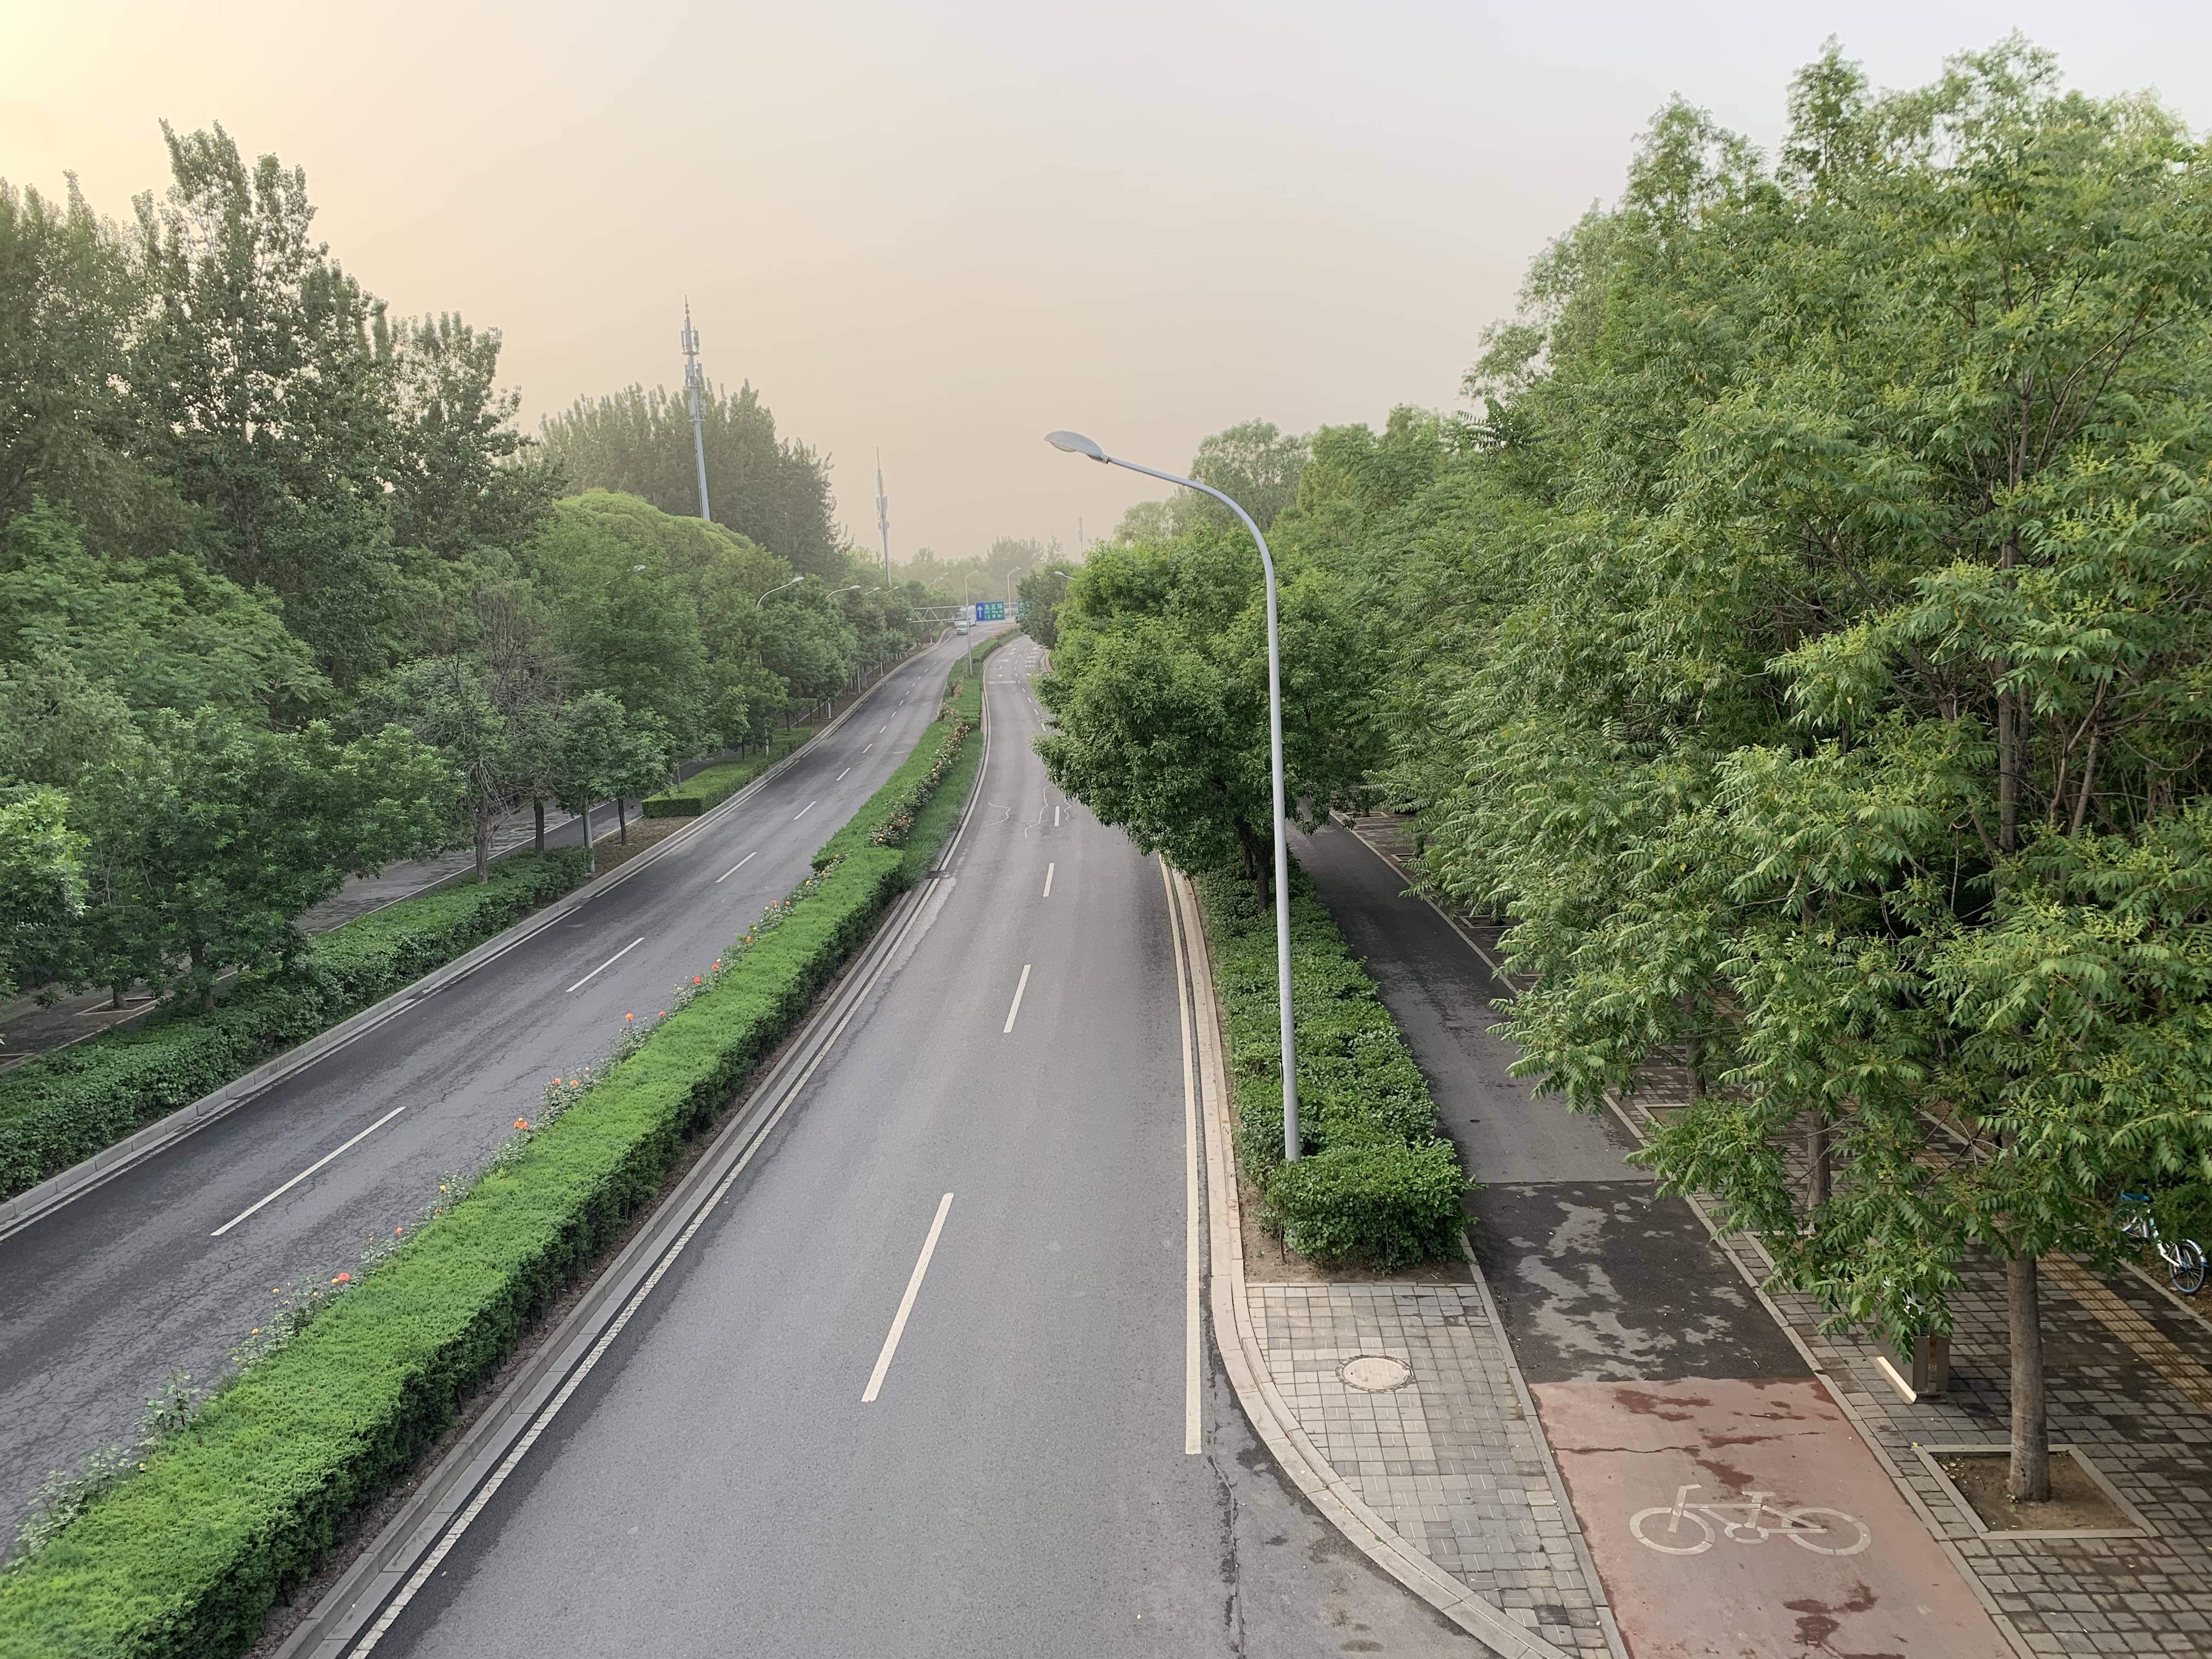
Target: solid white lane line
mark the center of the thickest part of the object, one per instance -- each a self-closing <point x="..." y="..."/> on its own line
<point x="1016" y="1008"/>
<point x="906" y="1304"/>
<point x="612" y="960"/>
<point x="1048" y="869"/>
<point x="738" y="866"/>
<point x="804" y="810"/>
<point x="1192" y="1338"/>
<point x="840" y="778"/>
<point x="305" y="1173"/>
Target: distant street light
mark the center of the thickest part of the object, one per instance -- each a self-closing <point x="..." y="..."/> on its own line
<point x="1076" y="444"/>
<point x="779" y="588"/>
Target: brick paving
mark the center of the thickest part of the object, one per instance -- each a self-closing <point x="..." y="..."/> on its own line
<point x="1452" y="1459"/>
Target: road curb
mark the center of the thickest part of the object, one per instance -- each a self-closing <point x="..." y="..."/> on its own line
<point x="1236" y="1337"/>
<point x="354" y="1615"/>
<point x="33" y="1204"/>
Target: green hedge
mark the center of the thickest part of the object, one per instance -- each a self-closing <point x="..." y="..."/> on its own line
<point x="1375" y="1184"/>
<point x="60" y="1109"/>
<point x="710" y="787"/>
<point x="184" y="1557"/>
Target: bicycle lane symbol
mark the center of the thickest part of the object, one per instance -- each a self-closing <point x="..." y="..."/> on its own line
<point x="1686" y="1528"/>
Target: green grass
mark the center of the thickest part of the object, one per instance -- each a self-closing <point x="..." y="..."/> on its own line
<point x="710" y="787"/>
<point x="1375" y="1183"/>
<point x="184" y="1557"/>
<point x="57" y="1110"/>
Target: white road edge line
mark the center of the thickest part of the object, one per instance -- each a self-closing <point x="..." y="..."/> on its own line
<point x="1193" y="1424"/>
<point x="608" y="963"/>
<point x="305" y="1173"/>
<point x="804" y="810"/>
<point x="734" y="868"/>
<point x="1048" y="869"/>
<point x="1013" y="1012"/>
<point x="906" y="1304"/>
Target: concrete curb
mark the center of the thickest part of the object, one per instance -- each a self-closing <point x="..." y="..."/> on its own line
<point x="1237" y="1338"/>
<point x="35" y="1203"/>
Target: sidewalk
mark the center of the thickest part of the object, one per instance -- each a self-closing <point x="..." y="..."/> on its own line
<point x="1654" y="1361"/>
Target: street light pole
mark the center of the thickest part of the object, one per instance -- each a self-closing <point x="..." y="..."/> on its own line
<point x="779" y="588"/>
<point x="1076" y="444"/>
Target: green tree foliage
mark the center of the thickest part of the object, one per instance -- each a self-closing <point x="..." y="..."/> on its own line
<point x="1159" y="695"/>
<point x="1812" y="668"/>
<point x="1255" y="463"/>
<point x="1042" y="592"/>
<point x="41" y="886"/>
<point x="773" y="491"/>
<point x="462" y="478"/>
<point x="164" y="632"/>
<point x="212" y="836"/>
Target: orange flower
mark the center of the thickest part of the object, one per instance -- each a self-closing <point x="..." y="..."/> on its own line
<point x="630" y="1016"/>
<point x="343" y="1278"/>
<point x="396" y="1231"/>
<point x="520" y="1123"/>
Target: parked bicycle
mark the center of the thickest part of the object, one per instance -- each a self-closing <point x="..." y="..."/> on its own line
<point x="1690" y="1527"/>
<point x="2184" y="1258"/>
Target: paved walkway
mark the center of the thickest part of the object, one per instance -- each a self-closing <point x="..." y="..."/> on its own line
<point x="1722" y="1499"/>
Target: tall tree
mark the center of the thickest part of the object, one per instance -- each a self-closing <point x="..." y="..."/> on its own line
<point x="772" y="490"/>
<point x="263" y="395"/>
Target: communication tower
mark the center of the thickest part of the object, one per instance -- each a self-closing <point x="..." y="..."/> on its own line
<point x="694" y="385"/>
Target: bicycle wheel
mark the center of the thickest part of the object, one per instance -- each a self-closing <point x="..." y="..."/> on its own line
<point x="1834" y="1524"/>
<point x="2185" y="1266"/>
<point x="2131" y="1219"/>
<point x="1673" y="1529"/>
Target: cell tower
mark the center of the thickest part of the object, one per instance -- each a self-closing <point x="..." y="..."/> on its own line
<point x="883" y="518"/>
<point x="695" y="384"/>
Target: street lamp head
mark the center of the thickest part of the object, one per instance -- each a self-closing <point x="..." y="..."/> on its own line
<point x="1076" y="444"/>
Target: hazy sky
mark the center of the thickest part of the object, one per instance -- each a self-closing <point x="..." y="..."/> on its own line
<point x="942" y="230"/>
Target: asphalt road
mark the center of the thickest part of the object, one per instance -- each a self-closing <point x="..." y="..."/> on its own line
<point x="102" y="1300"/>
<point x="1020" y="1484"/>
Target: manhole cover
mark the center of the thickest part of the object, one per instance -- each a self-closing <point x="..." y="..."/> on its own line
<point x="1375" y="1374"/>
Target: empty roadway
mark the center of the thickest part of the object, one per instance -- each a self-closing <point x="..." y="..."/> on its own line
<point x="101" y="1300"/>
<point x="919" y="1385"/>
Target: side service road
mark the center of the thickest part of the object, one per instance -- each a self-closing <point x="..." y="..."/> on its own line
<point x="171" y="1263"/>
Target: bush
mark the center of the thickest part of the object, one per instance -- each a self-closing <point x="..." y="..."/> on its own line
<point x="1373" y="1184"/>
<point x="711" y="786"/>
<point x="60" y="1109"/>
<point x="184" y="1557"/>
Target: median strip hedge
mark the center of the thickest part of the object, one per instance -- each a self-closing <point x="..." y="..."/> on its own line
<point x="60" y="1109"/>
<point x="184" y="1557"/>
<point x="1375" y="1184"/>
<point x="711" y="786"/>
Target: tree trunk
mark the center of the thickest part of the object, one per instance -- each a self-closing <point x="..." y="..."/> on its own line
<point x="2028" y="1479"/>
<point x="538" y="809"/>
<point x="591" y="852"/>
<point x="117" y="991"/>
<point x="484" y="842"/>
<point x="1816" y="1161"/>
<point x="622" y="822"/>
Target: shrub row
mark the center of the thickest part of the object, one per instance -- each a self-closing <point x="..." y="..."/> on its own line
<point x="184" y="1557"/>
<point x="711" y="786"/>
<point x="1375" y="1184"/>
<point x="60" y="1109"/>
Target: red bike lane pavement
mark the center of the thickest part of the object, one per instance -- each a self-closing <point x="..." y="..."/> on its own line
<point x="1791" y="1540"/>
